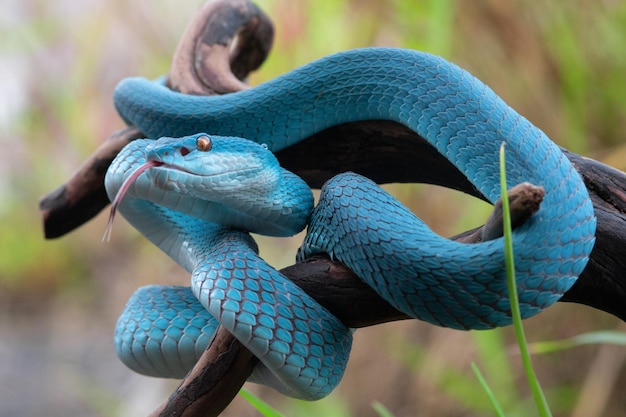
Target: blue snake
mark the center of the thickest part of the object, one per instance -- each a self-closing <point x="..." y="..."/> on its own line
<point x="197" y="195"/>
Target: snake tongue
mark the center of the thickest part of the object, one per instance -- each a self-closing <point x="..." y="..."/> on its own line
<point x="122" y="191"/>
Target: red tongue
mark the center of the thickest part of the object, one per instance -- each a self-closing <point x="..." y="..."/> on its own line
<point x="122" y="191"/>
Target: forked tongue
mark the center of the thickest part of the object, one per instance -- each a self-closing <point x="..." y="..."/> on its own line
<point x="122" y="191"/>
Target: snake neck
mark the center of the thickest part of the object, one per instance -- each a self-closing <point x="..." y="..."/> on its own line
<point x="281" y="212"/>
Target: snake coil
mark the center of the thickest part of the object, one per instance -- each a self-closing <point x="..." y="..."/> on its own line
<point x="197" y="206"/>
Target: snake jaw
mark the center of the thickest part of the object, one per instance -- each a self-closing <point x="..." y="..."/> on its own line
<point x="171" y="159"/>
<point x="151" y="162"/>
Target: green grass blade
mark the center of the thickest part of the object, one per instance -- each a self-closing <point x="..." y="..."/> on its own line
<point x="599" y="337"/>
<point x="449" y="380"/>
<point x="381" y="409"/>
<point x="495" y="364"/>
<point x="538" y="395"/>
<point x="261" y="406"/>
<point x="492" y="398"/>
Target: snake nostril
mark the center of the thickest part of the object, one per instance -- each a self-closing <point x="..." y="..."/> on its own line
<point x="184" y="151"/>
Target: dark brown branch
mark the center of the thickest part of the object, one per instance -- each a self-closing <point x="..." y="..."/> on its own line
<point x="225" y="41"/>
<point x="213" y="382"/>
<point x="83" y="195"/>
<point x="524" y="201"/>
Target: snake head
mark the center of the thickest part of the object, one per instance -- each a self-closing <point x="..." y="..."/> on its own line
<point x="206" y="166"/>
<point x="226" y="180"/>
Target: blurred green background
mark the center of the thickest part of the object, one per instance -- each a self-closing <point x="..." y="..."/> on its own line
<point x="560" y="64"/>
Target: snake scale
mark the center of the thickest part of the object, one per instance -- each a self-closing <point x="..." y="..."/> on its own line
<point x="197" y="195"/>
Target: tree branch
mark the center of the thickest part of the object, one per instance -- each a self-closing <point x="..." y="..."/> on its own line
<point x="213" y="382"/>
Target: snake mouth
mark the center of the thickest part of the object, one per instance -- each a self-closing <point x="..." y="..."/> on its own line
<point x="126" y="185"/>
<point x="122" y="191"/>
<point x="151" y="163"/>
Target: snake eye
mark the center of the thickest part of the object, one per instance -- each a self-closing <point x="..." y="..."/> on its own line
<point x="204" y="144"/>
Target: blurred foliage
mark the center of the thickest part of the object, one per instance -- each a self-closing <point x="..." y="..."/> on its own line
<point x="558" y="63"/>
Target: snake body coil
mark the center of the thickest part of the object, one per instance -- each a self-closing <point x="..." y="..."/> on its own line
<point x="303" y="348"/>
